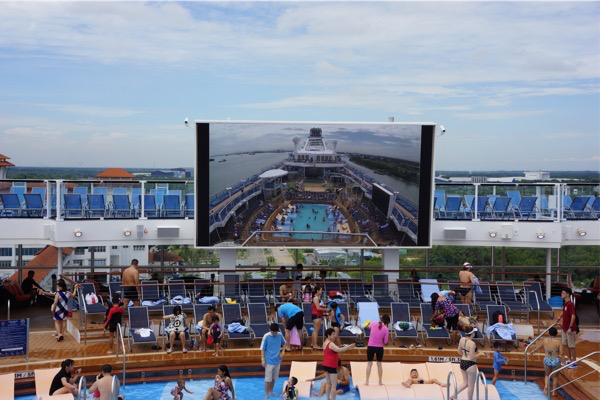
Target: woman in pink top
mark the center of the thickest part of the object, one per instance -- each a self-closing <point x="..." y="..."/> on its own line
<point x="377" y="339"/>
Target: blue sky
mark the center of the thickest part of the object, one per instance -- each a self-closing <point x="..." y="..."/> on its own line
<point x="517" y="85"/>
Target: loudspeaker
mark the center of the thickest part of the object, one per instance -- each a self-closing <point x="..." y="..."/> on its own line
<point x="167" y="232"/>
<point x="455" y="233"/>
<point x="140" y="231"/>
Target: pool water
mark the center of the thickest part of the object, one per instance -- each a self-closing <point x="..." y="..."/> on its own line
<point x="309" y="217"/>
<point x="253" y="389"/>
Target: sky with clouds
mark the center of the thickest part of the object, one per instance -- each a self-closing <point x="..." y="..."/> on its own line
<point x="99" y="84"/>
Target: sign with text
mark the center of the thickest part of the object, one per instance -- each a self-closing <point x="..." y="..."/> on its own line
<point x="439" y="359"/>
<point x="14" y="337"/>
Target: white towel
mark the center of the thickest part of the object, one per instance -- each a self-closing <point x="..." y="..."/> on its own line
<point x="144" y="332"/>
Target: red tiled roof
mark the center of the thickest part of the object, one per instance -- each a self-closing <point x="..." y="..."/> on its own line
<point x="47" y="257"/>
<point x="5" y="163"/>
<point x="115" y="173"/>
<point x="169" y="257"/>
<point x="3" y="157"/>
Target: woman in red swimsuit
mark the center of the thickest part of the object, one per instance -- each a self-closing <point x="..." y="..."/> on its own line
<point x="330" y="361"/>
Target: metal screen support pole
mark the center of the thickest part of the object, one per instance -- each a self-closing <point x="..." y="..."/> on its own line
<point x="548" y="271"/>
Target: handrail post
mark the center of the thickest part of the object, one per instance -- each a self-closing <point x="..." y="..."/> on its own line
<point x="8" y="309"/>
<point x="451" y="374"/>
<point x="114" y="389"/>
<point x="82" y="389"/>
<point x="481" y="376"/>
<point x="120" y="335"/>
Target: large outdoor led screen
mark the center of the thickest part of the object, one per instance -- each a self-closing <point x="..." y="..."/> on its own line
<point x="311" y="184"/>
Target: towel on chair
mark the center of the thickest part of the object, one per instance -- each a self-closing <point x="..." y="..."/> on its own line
<point x="505" y="331"/>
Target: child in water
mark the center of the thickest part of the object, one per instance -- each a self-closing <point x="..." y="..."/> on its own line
<point x="290" y="391"/>
<point x="177" y="391"/>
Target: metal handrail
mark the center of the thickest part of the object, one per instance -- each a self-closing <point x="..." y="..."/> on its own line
<point x="563" y="367"/>
<point x="527" y="348"/>
<point x="451" y="374"/>
<point x="8" y="309"/>
<point x="114" y="389"/>
<point x="122" y="338"/>
<point x="82" y="389"/>
<point x="481" y="376"/>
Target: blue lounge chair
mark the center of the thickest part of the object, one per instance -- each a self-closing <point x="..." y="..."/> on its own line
<point x="121" y="206"/>
<point x="536" y="298"/>
<point x="19" y="191"/>
<point x="453" y="207"/>
<point x="73" y="205"/>
<point x="257" y="292"/>
<point x="171" y="206"/>
<point x="96" y="207"/>
<point x="467" y="311"/>
<point x="151" y="293"/>
<point x="501" y="208"/>
<point x="34" y="205"/>
<point x="135" y="199"/>
<point x="41" y="191"/>
<point x="114" y="289"/>
<point x="515" y="196"/>
<point x="406" y="293"/>
<point x="11" y="207"/>
<point x="177" y="288"/>
<point x="141" y="330"/>
<point x="483" y="208"/>
<point x="440" y="199"/>
<point x="526" y="207"/>
<point x="119" y="190"/>
<point x="507" y="296"/>
<point x="82" y="192"/>
<point x="491" y="310"/>
<point x="485" y="298"/>
<point x="343" y="307"/>
<point x="401" y="312"/>
<point x="232" y="288"/>
<point x="159" y="195"/>
<point x="150" y="209"/>
<point x="381" y="293"/>
<point x="88" y="289"/>
<point x="578" y="208"/>
<point x="202" y="288"/>
<point x="309" y="325"/>
<point x="233" y="313"/>
<point x="357" y="292"/>
<point x="259" y="322"/>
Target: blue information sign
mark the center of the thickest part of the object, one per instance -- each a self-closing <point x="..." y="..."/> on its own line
<point x="14" y="337"/>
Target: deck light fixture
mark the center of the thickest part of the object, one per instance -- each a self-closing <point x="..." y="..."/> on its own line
<point x="492" y="233"/>
<point x="77" y="232"/>
<point x="127" y="232"/>
<point x="581" y="231"/>
<point x="541" y="234"/>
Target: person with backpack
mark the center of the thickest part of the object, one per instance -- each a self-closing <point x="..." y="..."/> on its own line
<point x="569" y="327"/>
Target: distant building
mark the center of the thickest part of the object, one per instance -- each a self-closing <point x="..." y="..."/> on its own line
<point x="4" y="166"/>
<point x="537" y="176"/>
<point x="326" y="255"/>
<point x="115" y="173"/>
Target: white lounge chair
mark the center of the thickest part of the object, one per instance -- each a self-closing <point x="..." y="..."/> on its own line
<point x="43" y="381"/>
<point x="7" y="383"/>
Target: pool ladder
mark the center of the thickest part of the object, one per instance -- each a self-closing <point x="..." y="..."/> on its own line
<point x="480" y="377"/>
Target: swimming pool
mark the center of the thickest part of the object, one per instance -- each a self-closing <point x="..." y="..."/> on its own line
<point x="253" y="389"/>
<point x="308" y="217"/>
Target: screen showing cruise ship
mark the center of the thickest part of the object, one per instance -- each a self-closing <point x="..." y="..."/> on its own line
<point x="271" y="184"/>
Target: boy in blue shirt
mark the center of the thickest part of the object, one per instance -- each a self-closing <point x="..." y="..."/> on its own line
<point x="499" y="359"/>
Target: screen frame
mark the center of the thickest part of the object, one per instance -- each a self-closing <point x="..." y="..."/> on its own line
<point x="202" y="181"/>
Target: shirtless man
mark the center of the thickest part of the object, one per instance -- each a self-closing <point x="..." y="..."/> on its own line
<point x="343" y="381"/>
<point x="104" y="384"/>
<point x="131" y="276"/>
<point x="207" y="321"/>
<point x="467" y="280"/>
<point x="286" y="292"/>
<point x="415" y="380"/>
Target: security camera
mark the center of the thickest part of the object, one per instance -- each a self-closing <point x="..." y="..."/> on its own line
<point x="442" y="129"/>
<point x="186" y="121"/>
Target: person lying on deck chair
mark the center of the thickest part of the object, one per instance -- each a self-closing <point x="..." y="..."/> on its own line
<point x="414" y="380"/>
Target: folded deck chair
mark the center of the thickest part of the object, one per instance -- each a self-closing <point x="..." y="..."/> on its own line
<point x="367" y="312"/>
<point x="536" y="298"/>
<point x="140" y="328"/>
<point x="439" y="333"/>
<point x="401" y="312"/>
<point x="7" y="383"/>
<point x="303" y="371"/>
<point x="428" y="287"/>
<point x="43" y="381"/>
<point x="506" y="293"/>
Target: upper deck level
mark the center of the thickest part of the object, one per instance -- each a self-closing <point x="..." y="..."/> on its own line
<point x="78" y="213"/>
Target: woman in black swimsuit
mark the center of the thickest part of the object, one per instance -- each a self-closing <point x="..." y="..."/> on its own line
<point x="468" y="362"/>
